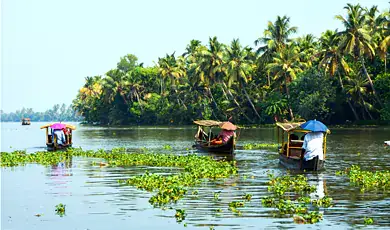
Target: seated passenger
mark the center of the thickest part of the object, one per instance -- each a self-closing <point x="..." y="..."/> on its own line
<point x="60" y="137"/>
<point x="223" y="137"/>
<point x="312" y="146"/>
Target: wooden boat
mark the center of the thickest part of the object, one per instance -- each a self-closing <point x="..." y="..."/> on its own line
<point x="290" y="150"/>
<point x="203" y="139"/>
<point x="26" y="121"/>
<point x="51" y="137"/>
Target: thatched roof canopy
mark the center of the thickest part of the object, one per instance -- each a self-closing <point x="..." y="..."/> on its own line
<point x="208" y="123"/>
<point x="288" y="126"/>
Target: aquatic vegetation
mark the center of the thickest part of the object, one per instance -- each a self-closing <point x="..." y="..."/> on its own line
<point x="167" y="147"/>
<point x="325" y="202"/>
<point x="367" y="180"/>
<point x="180" y="215"/>
<point x="17" y="158"/>
<point x="281" y="185"/>
<point x="60" y="209"/>
<point x="284" y="188"/>
<point x="171" y="188"/>
<point x="216" y="195"/>
<point x="309" y="218"/>
<point x="268" y="146"/>
<point x="247" y="197"/>
<point x="368" y="220"/>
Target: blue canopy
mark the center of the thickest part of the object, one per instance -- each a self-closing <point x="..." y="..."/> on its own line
<point x="314" y="126"/>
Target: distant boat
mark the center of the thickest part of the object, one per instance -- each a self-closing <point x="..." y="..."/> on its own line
<point x="26" y="121"/>
<point x="52" y="142"/>
<point x="387" y="143"/>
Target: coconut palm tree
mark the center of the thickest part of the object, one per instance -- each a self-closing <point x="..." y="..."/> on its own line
<point x="333" y="61"/>
<point x="357" y="88"/>
<point x="308" y="47"/>
<point x="356" y="38"/>
<point x="275" y="37"/>
<point x="284" y="69"/>
<point x="170" y="68"/>
<point x="238" y="68"/>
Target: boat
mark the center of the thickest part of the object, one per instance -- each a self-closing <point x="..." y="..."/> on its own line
<point x="290" y="141"/>
<point x="26" y="121"/>
<point x="387" y="143"/>
<point x="204" y="137"/>
<point x="51" y="137"/>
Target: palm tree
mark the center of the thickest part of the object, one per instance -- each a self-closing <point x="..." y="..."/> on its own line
<point x="275" y="37"/>
<point x="308" y="46"/>
<point x="357" y="88"/>
<point x="171" y="69"/>
<point x="238" y="68"/>
<point x="356" y="38"/>
<point x="206" y="66"/>
<point x="382" y="34"/>
<point x="285" y="66"/>
<point x="333" y="61"/>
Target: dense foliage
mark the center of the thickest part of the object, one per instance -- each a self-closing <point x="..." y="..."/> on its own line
<point x="339" y="77"/>
<point x="57" y="113"/>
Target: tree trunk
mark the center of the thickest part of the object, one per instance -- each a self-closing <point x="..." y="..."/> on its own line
<point x="288" y="101"/>
<point x="348" y="101"/>
<point x="365" y="107"/>
<point x="212" y="98"/>
<point x="250" y="101"/>
<point x="371" y="84"/>
<point x="237" y="104"/>
<point x="224" y="92"/>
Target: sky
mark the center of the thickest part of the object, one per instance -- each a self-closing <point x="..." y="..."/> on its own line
<point x="48" y="47"/>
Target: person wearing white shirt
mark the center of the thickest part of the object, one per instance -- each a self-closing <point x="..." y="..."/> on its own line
<point x="313" y="146"/>
<point x="60" y="137"/>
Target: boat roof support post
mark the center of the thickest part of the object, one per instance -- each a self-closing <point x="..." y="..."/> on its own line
<point x="47" y="135"/>
<point x="288" y="144"/>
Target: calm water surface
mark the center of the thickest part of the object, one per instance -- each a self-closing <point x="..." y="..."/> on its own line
<point x="95" y="200"/>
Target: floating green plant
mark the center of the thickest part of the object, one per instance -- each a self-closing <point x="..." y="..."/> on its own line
<point x="325" y="202"/>
<point x="309" y="218"/>
<point x="216" y="195"/>
<point x="367" y="180"/>
<point x="167" y="147"/>
<point x="180" y="215"/>
<point x="284" y="188"/>
<point x="268" y="146"/>
<point x="368" y="220"/>
<point x="247" y="197"/>
<point x="60" y="209"/>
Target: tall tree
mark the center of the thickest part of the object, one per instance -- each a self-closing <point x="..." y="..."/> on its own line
<point x="239" y="69"/>
<point x="284" y="68"/>
<point x="356" y="38"/>
<point x="333" y="61"/>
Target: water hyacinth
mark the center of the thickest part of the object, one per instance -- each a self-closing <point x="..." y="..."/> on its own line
<point x="367" y="180"/>
<point x="284" y="188"/>
<point x="60" y="209"/>
<point x="267" y="146"/>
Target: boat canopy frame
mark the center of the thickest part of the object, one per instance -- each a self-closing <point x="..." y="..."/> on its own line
<point x="294" y="127"/>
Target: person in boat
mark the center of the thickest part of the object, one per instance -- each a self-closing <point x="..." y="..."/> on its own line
<point x="61" y="140"/>
<point x="312" y="147"/>
<point x="223" y="137"/>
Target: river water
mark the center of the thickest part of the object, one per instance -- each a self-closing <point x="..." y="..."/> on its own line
<point x="95" y="200"/>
